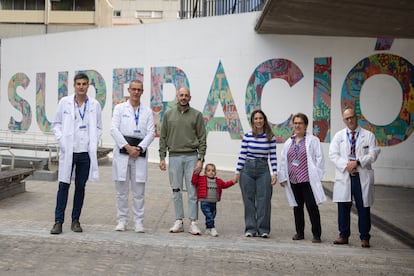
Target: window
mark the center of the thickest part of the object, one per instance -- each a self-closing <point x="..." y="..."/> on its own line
<point x="22" y="4"/>
<point x="117" y="14"/>
<point x="148" y="14"/>
<point x="73" y="5"/>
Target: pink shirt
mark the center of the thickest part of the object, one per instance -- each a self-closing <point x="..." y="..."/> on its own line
<point x="297" y="162"/>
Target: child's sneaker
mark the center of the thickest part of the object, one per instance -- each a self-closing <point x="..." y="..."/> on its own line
<point x="194" y="230"/>
<point x="177" y="227"/>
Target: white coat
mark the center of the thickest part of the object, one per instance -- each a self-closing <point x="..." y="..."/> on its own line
<point x="123" y="124"/>
<point x="64" y="131"/>
<point x="316" y="169"/>
<point x="366" y="152"/>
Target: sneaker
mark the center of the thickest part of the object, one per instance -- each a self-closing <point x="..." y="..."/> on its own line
<point x="264" y="235"/>
<point x="214" y="232"/>
<point x="56" y="229"/>
<point x="194" y="230"/>
<point x="75" y="227"/>
<point x="177" y="227"/>
<point x="139" y="228"/>
<point x="248" y="235"/>
<point x="211" y="231"/>
<point x="121" y="226"/>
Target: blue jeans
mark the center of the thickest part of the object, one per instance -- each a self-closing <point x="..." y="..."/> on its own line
<point x="82" y="163"/>
<point x="179" y="168"/>
<point x="209" y="210"/>
<point x="364" y="213"/>
<point x="256" y="189"/>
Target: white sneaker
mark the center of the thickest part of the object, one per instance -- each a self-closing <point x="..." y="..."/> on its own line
<point x="177" y="227"/>
<point x="139" y="228"/>
<point x="212" y="232"/>
<point x="194" y="230"/>
<point x="121" y="226"/>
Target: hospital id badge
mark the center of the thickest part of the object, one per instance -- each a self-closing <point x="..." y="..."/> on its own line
<point x="295" y="162"/>
<point x="82" y="127"/>
<point x="351" y="157"/>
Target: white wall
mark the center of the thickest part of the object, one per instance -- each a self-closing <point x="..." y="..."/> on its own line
<point x="197" y="47"/>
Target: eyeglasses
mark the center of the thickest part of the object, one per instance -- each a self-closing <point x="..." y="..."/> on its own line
<point x="136" y="89"/>
<point x="349" y="118"/>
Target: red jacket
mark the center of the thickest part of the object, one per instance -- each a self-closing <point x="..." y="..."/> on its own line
<point x="201" y="183"/>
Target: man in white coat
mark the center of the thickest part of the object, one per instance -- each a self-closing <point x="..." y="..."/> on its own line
<point x="131" y="120"/>
<point x="77" y="128"/>
<point x="353" y="150"/>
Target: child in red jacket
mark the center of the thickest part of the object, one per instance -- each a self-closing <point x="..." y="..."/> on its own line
<point x="209" y="189"/>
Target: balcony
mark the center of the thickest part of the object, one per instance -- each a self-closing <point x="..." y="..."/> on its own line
<point x="203" y="8"/>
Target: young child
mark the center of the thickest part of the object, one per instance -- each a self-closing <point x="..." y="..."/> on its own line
<point x="209" y="189"/>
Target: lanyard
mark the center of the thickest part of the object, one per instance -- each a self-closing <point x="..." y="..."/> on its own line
<point x="296" y="148"/>
<point x="136" y="115"/>
<point x="84" y="107"/>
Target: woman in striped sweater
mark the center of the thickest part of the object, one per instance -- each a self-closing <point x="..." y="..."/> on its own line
<point x="256" y="183"/>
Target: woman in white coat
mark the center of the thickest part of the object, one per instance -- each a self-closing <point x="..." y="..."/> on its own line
<point x="131" y="119"/>
<point x="301" y="170"/>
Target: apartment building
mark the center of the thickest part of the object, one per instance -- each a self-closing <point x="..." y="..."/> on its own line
<point x="127" y="12"/>
<point x="32" y="17"/>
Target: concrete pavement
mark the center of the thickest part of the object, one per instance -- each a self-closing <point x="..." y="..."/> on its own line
<point x="27" y="248"/>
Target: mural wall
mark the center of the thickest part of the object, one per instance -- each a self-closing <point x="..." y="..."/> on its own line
<point x="230" y="73"/>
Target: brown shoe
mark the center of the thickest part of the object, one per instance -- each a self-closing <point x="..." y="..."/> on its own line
<point x="76" y="226"/>
<point x="341" y="240"/>
<point x="297" y="237"/>
<point x="56" y="229"/>
<point x="365" y="243"/>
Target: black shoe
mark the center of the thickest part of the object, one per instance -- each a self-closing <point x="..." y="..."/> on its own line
<point x="56" y="229"/>
<point x="316" y="240"/>
<point x="76" y="226"/>
<point x="297" y="237"/>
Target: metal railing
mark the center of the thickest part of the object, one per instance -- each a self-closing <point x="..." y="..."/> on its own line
<point x="35" y="142"/>
<point x="12" y="158"/>
<point x="204" y="8"/>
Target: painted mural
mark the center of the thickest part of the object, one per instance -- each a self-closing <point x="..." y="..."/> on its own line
<point x="322" y="98"/>
<point x="220" y="92"/>
<point x="399" y="68"/>
<point x="267" y="70"/>
<point x="120" y="77"/>
<point x="19" y="103"/>
<point x="159" y="76"/>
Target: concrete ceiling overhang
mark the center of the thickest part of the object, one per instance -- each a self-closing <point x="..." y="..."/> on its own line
<point x="358" y="18"/>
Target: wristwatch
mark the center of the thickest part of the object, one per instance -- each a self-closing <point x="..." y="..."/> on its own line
<point x="358" y="163"/>
<point x="201" y="159"/>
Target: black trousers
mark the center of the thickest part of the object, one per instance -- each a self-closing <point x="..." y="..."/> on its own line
<point x="304" y="195"/>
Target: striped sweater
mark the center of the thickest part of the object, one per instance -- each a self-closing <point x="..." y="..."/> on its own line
<point x="252" y="148"/>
